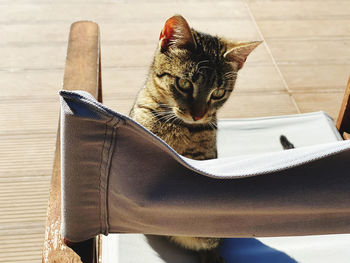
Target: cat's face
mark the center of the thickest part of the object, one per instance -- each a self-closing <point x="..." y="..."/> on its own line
<point x="195" y="73"/>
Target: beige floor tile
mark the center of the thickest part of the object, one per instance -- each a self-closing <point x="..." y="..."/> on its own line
<point x="128" y="32"/>
<point x="121" y="105"/>
<point x="299" y="9"/>
<point x="316" y="51"/>
<point x="141" y="56"/>
<point x="259" y="79"/>
<point x="123" y="83"/>
<point x="33" y="34"/>
<point x="257" y="105"/>
<point x="119" y="11"/>
<point x="33" y="151"/>
<point x="21" y="241"/>
<point x="230" y="28"/>
<point x="35" y="84"/>
<point x="29" y="116"/>
<point x="305" y="29"/>
<point x="52" y="56"/>
<point x="33" y="57"/>
<point x="328" y="102"/>
<point x="149" y="32"/>
<point x="7" y="2"/>
<point x="316" y="77"/>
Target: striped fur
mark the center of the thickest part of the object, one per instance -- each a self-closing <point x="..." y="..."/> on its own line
<point x="186" y="119"/>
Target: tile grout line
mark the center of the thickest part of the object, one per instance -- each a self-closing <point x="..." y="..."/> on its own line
<point x="272" y="58"/>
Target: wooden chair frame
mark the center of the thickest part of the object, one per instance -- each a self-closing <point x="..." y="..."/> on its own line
<point x="83" y="71"/>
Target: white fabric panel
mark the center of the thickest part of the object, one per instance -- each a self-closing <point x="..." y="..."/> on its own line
<point x="261" y="135"/>
<point x="137" y="248"/>
<point x="244" y="138"/>
<point x="258" y="164"/>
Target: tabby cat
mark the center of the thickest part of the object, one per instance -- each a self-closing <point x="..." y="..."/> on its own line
<point x="191" y="77"/>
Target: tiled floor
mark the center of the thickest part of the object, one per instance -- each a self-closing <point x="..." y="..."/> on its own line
<point x="302" y="66"/>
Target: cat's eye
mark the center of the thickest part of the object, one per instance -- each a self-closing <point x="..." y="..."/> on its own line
<point x="218" y="94"/>
<point x="184" y="84"/>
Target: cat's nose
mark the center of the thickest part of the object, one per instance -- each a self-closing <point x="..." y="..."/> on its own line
<point x="197" y="118"/>
<point x="198" y="111"/>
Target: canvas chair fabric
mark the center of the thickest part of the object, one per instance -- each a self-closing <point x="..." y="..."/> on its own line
<point x="117" y="177"/>
<point x="238" y="137"/>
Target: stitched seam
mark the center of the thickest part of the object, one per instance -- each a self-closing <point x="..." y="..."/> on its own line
<point x="186" y="163"/>
<point x="108" y="169"/>
<point x="101" y="173"/>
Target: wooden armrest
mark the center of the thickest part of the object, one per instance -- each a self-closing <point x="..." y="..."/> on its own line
<point x="343" y="122"/>
<point x="83" y="72"/>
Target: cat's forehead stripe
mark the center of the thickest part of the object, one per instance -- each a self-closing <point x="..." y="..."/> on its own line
<point x="209" y="45"/>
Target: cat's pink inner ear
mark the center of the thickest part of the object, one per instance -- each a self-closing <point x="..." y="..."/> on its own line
<point x="238" y="52"/>
<point x="176" y="32"/>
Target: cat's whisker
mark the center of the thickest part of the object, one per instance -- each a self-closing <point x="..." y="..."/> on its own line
<point x="204" y="67"/>
<point x="169" y="119"/>
<point x="174" y="120"/>
<point x="211" y="125"/>
<point x="157" y="114"/>
<point x="178" y="121"/>
<point x="153" y="116"/>
<point x="162" y="115"/>
<point x="201" y="62"/>
<point x="180" y="111"/>
<point x="165" y="117"/>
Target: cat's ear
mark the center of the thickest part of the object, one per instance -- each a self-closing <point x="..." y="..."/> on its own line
<point x="239" y="52"/>
<point x="176" y="33"/>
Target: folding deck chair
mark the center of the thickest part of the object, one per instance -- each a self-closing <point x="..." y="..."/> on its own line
<point x="77" y="238"/>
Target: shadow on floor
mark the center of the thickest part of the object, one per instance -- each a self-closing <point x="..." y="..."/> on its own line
<point x="233" y="250"/>
<point x="251" y="250"/>
<point x="169" y="252"/>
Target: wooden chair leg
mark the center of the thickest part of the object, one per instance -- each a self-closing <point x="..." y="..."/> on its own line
<point x="83" y="72"/>
<point x="343" y="122"/>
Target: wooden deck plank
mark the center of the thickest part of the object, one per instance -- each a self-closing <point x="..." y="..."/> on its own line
<point x="121" y="33"/>
<point x="33" y="52"/>
<point x="52" y="56"/>
<point x="318" y="51"/>
<point x="299" y="9"/>
<point x="56" y="12"/>
<point x="305" y="29"/>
